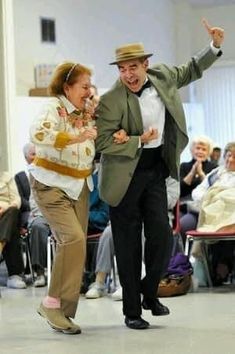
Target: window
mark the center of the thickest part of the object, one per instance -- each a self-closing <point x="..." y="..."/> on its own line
<point x="48" y="30"/>
<point x="216" y="92"/>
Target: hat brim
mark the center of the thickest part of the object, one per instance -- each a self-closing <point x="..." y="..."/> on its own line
<point x="131" y="57"/>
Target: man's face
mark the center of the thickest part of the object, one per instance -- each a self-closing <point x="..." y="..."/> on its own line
<point x="31" y="155"/>
<point x="215" y="156"/>
<point x="133" y="73"/>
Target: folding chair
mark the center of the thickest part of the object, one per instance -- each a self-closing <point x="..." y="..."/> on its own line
<point x="92" y="244"/>
<point x="90" y="264"/>
<point x="204" y="237"/>
<point x="176" y="220"/>
<point x="25" y="242"/>
<point x="178" y="245"/>
<point x="93" y="239"/>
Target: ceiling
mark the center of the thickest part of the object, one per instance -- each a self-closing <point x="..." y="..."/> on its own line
<point x="211" y="2"/>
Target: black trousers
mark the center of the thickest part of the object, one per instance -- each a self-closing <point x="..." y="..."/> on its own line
<point x="9" y="226"/>
<point x="145" y="203"/>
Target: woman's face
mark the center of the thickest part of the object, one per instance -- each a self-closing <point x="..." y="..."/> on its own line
<point x="78" y="93"/>
<point x="200" y="151"/>
<point x="230" y="160"/>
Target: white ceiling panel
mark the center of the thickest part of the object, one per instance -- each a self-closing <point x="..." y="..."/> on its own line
<point x="211" y="2"/>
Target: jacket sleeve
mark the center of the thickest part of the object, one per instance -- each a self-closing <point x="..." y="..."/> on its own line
<point x="109" y="118"/>
<point x="14" y="196"/>
<point x="184" y="74"/>
<point x="24" y="201"/>
<point x="45" y="130"/>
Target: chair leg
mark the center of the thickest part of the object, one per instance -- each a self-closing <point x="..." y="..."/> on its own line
<point x="114" y="273"/>
<point x="27" y="254"/>
<point x="29" y="258"/>
<point x="186" y="250"/>
<point x="111" y="278"/>
<point x="206" y="263"/>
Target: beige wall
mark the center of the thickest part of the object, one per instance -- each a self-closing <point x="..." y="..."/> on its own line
<point x="3" y="142"/>
<point x="88" y="31"/>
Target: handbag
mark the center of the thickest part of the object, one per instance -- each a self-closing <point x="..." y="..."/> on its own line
<point x="177" y="280"/>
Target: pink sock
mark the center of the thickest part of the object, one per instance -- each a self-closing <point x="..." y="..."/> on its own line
<point x="51" y="302"/>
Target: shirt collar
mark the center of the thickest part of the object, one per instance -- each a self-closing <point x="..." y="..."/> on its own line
<point x="68" y="105"/>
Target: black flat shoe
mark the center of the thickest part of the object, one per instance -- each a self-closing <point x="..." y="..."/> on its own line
<point x="156" y="307"/>
<point x="137" y="323"/>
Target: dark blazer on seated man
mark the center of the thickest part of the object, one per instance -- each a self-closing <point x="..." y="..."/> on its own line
<point x="23" y="186"/>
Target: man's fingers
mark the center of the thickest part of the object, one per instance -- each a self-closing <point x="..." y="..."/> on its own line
<point x="206" y="25"/>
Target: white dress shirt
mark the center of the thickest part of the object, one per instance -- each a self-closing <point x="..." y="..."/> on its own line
<point x="153" y="114"/>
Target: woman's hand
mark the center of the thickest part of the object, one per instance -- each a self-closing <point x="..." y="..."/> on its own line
<point x="90" y="133"/>
<point x="14" y="204"/>
<point x="1" y="211"/>
<point x="89" y="111"/>
<point x="120" y="137"/>
<point x="199" y="170"/>
<point x="196" y="171"/>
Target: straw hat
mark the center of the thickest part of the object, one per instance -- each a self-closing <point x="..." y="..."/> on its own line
<point x="129" y="52"/>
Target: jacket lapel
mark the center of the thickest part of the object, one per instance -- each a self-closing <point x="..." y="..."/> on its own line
<point x="159" y="85"/>
<point x="135" y="111"/>
<point x="132" y="105"/>
<point x="170" y="98"/>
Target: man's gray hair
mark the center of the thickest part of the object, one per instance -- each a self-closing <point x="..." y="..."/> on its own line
<point x="26" y="149"/>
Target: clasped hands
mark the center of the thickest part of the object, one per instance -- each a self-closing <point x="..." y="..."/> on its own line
<point x="197" y="169"/>
<point x="121" y="136"/>
<point x="89" y="133"/>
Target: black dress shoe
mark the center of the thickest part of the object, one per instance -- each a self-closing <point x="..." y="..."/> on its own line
<point x="136" y="323"/>
<point x="156" y="307"/>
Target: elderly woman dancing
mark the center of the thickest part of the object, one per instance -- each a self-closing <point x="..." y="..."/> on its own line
<point x="61" y="180"/>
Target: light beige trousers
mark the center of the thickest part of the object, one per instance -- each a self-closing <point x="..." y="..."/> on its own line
<point x="68" y="218"/>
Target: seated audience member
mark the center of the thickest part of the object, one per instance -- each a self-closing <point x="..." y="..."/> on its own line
<point x="215" y="155"/>
<point x="98" y="220"/>
<point x="215" y="197"/>
<point x="39" y="232"/>
<point x="98" y="210"/>
<point x="192" y="173"/>
<point x="22" y="182"/>
<point x="31" y="217"/>
<point x="104" y="258"/>
<point x="10" y="247"/>
<point x="105" y="252"/>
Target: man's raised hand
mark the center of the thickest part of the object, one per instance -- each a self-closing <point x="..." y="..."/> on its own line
<point x="216" y="33"/>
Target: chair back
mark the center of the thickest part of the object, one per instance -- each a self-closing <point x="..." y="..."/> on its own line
<point x="176" y="220"/>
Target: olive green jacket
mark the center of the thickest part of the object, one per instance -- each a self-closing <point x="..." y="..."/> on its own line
<point x="119" y="109"/>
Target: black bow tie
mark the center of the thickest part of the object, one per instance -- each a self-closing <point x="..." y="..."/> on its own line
<point x="146" y="85"/>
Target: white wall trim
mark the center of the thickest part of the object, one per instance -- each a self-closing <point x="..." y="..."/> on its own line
<point x="9" y="80"/>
